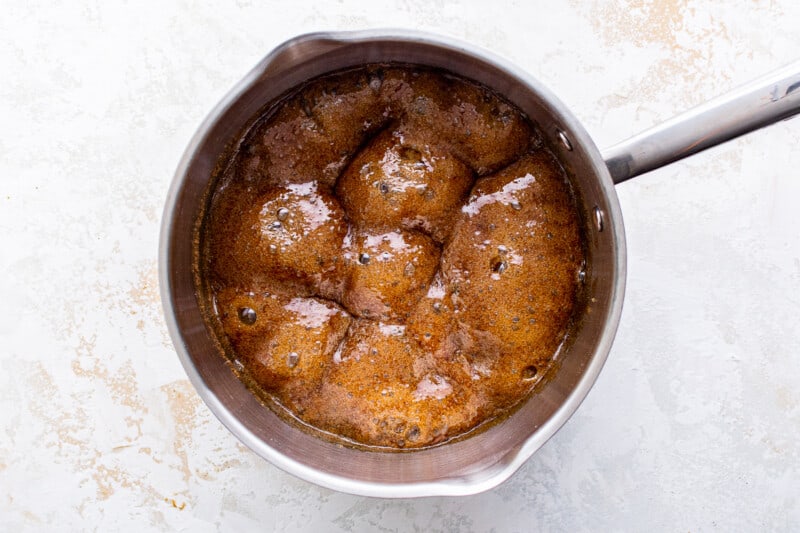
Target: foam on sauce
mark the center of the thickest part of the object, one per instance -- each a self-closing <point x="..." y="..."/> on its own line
<point x="391" y="256"/>
<point x="505" y="196"/>
<point x="310" y="313"/>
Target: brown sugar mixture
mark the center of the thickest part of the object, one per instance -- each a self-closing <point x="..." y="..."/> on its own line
<point x="391" y="256"/>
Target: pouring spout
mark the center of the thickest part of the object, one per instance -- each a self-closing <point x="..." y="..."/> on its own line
<point x="764" y="101"/>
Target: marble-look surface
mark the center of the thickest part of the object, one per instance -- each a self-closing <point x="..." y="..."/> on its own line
<point x="693" y="425"/>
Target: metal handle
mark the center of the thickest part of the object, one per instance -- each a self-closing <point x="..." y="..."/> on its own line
<point x="773" y="97"/>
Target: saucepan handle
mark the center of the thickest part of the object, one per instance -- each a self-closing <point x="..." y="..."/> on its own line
<point x="773" y="97"/>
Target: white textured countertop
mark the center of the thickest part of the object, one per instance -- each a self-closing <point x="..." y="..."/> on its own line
<point x="694" y="424"/>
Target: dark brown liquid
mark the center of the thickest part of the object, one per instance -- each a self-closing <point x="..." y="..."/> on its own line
<point x="392" y="256"/>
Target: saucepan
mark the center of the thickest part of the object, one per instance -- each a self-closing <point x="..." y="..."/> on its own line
<point x="486" y="459"/>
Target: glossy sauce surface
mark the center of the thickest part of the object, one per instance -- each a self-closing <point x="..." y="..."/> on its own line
<point x="392" y="256"/>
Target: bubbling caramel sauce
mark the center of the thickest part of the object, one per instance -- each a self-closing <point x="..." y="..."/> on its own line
<point x="391" y="256"/>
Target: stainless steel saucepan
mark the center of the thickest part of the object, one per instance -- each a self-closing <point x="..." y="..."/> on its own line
<point x="482" y="461"/>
